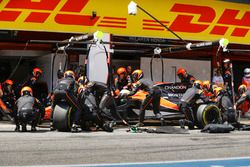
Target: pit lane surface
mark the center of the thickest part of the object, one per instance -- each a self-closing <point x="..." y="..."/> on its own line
<point x="59" y="148"/>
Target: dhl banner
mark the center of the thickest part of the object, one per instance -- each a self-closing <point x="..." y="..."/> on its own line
<point x="192" y="19"/>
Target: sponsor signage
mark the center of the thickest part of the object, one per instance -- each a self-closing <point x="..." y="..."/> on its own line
<point x="192" y="20"/>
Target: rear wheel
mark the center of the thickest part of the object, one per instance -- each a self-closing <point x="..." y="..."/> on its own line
<point x="208" y="113"/>
<point x="62" y="119"/>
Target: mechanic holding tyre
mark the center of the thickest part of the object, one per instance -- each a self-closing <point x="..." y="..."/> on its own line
<point x="224" y="102"/>
<point x="187" y="102"/>
<point x="66" y="89"/>
<point x="153" y="96"/>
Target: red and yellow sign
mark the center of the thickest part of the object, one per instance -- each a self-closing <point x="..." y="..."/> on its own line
<point x="192" y="20"/>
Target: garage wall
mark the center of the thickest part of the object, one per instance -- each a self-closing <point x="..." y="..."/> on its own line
<point x="44" y="63"/>
<point x="201" y="69"/>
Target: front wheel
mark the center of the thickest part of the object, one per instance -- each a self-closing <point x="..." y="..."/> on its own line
<point x="208" y="113"/>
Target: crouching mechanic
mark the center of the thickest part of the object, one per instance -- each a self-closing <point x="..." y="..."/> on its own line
<point x="29" y="110"/>
<point x="154" y="95"/>
<point x="66" y="89"/>
<point x="244" y="95"/>
<point x="7" y="99"/>
<point x="187" y="102"/>
<point x="96" y="113"/>
<point x="223" y="101"/>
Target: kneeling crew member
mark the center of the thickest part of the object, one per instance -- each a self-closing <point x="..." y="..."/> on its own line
<point x="67" y="90"/>
<point x="187" y="101"/>
<point x="154" y="95"/>
<point x="28" y="110"/>
<point x="7" y="96"/>
<point x="224" y="102"/>
<point x="96" y="114"/>
<point x="244" y="95"/>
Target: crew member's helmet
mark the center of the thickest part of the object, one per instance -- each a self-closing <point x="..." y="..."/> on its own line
<point x="217" y="90"/>
<point x="81" y="89"/>
<point x="197" y="84"/>
<point x="37" y="72"/>
<point x="7" y="85"/>
<point x="206" y="85"/>
<point x="69" y="74"/>
<point x="121" y="70"/>
<point x="26" y="91"/>
<point x="242" y="89"/>
<point x="82" y="80"/>
<point x="137" y="75"/>
<point x="247" y="72"/>
<point x="181" y="72"/>
<point x="9" y="82"/>
<point x="226" y="61"/>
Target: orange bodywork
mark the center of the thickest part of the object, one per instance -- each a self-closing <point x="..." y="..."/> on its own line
<point x="47" y="113"/>
<point x="140" y="95"/>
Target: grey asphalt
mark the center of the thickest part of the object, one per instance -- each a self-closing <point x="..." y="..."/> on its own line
<point x="61" y="148"/>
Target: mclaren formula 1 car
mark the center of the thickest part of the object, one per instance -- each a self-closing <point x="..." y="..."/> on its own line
<point x="171" y="94"/>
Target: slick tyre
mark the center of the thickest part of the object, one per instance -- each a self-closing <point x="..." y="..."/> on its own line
<point x="62" y="117"/>
<point x="208" y="113"/>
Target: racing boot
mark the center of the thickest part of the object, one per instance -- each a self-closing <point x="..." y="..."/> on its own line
<point x="17" y="129"/>
<point x="108" y="127"/>
<point x="160" y="117"/>
<point x="33" y="129"/>
<point x="75" y="128"/>
<point x="190" y="124"/>
<point x="24" y="128"/>
<point x="182" y="123"/>
<point x="139" y="124"/>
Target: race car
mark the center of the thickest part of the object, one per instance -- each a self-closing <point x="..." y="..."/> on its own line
<point x="171" y="94"/>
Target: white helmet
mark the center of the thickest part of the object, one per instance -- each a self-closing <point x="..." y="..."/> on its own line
<point x="247" y="72"/>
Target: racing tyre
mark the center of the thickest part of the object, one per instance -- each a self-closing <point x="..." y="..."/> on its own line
<point x="62" y="117"/>
<point x="208" y="113"/>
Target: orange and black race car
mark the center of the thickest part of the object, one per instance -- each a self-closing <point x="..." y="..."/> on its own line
<point x="171" y="94"/>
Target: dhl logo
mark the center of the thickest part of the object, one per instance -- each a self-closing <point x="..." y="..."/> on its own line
<point x="187" y="18"/>
<point x="45" y="7"/>
<point x="207" y="15"/>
